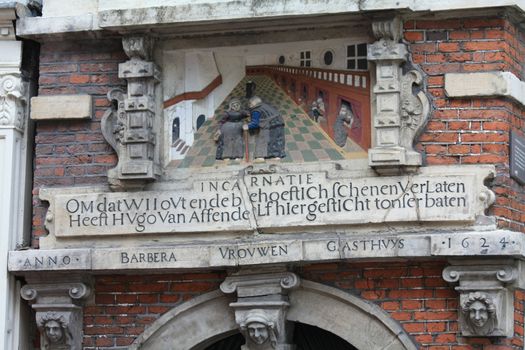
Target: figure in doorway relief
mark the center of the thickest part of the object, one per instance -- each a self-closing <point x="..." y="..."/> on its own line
<point x="267" y="126"/>
<point x="344" y="120"/>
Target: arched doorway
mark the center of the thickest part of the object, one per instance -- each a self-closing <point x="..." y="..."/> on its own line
<point x="305" y="337"/>
<point x="207" y="319"/>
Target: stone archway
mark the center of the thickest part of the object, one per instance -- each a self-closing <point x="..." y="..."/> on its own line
<point x="208" y="318"/>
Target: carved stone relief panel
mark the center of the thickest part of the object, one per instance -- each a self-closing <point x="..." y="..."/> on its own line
<point x="400" y="114"/>
<point x="129" y="126"/>
<point x="13" y="101"/>
<point x="486" y="301"/>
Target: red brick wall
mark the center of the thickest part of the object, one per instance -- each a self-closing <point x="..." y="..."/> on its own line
<point x="472" y="130"/>
<point x="413" y="293"/>
<point x="69" y="153"/>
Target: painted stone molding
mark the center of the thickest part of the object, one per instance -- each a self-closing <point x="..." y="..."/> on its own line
<point x="130" y="125"/>
<point x="13" y="101"/>
<point x="486" y="303"/>
<point x="400" y="115"/>
<point x="58" y="312"/>
<point x="261" y="306"/>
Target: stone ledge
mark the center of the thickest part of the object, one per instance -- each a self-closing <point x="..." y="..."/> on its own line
<point x="269" y="249"/>
<point x="484" y="85"/>
<point x="61" y="107"/>
<point x="156" y="12"/>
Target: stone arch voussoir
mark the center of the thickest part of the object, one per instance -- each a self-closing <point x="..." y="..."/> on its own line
<point x="200" y="322"/>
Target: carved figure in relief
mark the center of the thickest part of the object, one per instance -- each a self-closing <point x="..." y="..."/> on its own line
<point x="267" y="125"/>
<point x="317" y="111"/>
<point x="344" y="120"/>
<point x="54" y="329"/>
<point x="479" y="313"/>
<point x="259" y="329"/>
<point x="229" y="137"/>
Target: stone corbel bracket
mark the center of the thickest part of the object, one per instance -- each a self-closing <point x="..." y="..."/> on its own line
<point x="261" y="307"/>
<point x="130" y="124"/>
<point x="399" y="113"/>
<point x="58" y="312"/>
<point x="13" y="101"/>
<point x="486" y="306"/>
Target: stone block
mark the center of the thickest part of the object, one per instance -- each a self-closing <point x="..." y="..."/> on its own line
<point x="61" y="107"/>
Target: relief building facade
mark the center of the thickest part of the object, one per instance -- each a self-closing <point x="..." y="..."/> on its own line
<point x="268" y="175"/>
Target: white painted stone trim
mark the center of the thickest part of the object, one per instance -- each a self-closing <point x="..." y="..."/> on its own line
<point x="484" y="85"/>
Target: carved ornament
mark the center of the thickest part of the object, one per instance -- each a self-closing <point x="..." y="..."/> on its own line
<point x="58" y="312"/>
<point x="400" y="114"/>
<point x="261" y="306"/>
<point x="13" y="101"/>
<point x="130" y="125"/>
<point x="486" y="305"/>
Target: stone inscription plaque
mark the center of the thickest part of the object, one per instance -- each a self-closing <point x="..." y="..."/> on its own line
<point x="263" y="250"/>
<point x="265" y="201"/>
<point x="517" y="157"/>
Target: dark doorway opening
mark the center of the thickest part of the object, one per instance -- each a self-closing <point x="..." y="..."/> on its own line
<point x="305" y="337"/>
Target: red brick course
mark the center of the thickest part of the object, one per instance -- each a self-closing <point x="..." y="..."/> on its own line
<point x="472" y="130"/>
<point x="74" y="152"/>
<point x="414" y="294"/>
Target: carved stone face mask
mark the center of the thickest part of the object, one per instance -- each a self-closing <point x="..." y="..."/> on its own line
<point x="53" y="331"/>
<point x="478" y="314"/>
<point x="258" y="332"/>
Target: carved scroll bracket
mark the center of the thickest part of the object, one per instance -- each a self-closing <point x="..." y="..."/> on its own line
<point x="130" y="124"/>
<point x="58" y="312"/>
<point x="261" y="306"/>
<point x="486" y="305"/>
<point x="400" y="113"/>
<point x="13" y="101"/>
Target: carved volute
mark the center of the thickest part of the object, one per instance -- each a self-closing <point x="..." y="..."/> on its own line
<point x="399" y="113"/>
<point x="129" y="125"/>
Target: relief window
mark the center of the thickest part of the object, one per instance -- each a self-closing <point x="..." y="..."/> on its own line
<point x="306" y="59"/>
<point x="356" y="57"/>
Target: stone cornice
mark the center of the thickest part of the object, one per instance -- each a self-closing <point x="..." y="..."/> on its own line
<point x="163" y="13"/>
<point x="269" y="249"/>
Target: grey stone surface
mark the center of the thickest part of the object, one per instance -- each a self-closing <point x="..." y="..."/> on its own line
<point x="203" y="320"/>
<point x="58" y="312"/>
<point x="261" y="307"/>
<point x="254" y="200"/>
<point x="61" y="107"/>
<point x="400" y="114"/>
<point x="132" y="128"/>
<point x="486" y="305"/>
<point x="268" y="249"/>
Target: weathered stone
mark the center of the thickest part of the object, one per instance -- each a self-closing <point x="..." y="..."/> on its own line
<point x="61" y="107"/>
<point x="486" y="302"/>
<point x="485" y="84"/>
<point x="261" y="306"/>
<point x="263" y="201"/>
<point x="131" y="129"/>
<point x="266" y="249"/>
<point x="58" y="311"/>
<point x="400" y="114"/>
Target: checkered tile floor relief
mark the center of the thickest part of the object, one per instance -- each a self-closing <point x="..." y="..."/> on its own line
<point x="305" y="140"/>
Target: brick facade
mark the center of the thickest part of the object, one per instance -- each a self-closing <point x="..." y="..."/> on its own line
<point x="460" y="131"/>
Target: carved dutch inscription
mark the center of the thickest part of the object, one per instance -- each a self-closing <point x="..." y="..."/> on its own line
<point x="270" y="200"/>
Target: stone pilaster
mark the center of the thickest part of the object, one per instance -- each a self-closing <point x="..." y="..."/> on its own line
<point x="399" y="114"/>
<point x="261" y="306"/>
<point x="129" y="126"/>
<point x="486" y="304"/>
<point x="58" y="312"/>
